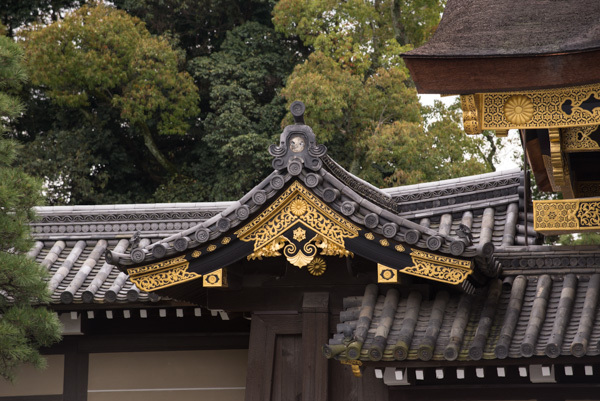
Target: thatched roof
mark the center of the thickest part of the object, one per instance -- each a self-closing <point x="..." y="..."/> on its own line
<point x="488" y="28"/>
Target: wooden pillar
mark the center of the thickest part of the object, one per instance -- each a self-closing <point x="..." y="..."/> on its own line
<point x="315" y="333"/>
<point x="75" y="384"/>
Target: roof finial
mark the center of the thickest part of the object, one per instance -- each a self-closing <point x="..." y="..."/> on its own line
<point x="297" y="108"/>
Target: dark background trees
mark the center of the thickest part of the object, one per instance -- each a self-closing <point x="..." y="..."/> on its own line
<point x="248" y="61"/>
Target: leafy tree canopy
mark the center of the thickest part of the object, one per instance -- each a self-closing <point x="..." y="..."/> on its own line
<point x="360" y="99"/>
<point x="200" y="27"/>
<point x="25" y="325"/>
<point x="243" y="78"/>
<point x="99" y="55"/>
<point x="98" y="104"/>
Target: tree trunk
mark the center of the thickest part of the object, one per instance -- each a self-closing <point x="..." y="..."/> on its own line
<point x="151" y="145"/>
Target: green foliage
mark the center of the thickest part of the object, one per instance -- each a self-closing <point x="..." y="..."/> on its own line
<point x="99" y="55"/>
<point x="245" y="108"/>
<point x="200" y="27"/>
<point x="15" y="14"/>
<point x="12" y="76"/>
<point x="23" y="328"/>
<point x="589" y="238"/>
<point x="359" y="97"/>
<point x="102" y="93"/>
<point x="407" y="153"/>
<point x="357" y="34"/>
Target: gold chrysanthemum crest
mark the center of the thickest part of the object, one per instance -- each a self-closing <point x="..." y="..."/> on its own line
<point x="298" y="207"/>
<point x="317" y="266"/>
<point x="518" y="109"/>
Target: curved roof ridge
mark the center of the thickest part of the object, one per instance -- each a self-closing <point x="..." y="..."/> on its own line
<point x="453" y="182"/>
<point x="130" y="208"/>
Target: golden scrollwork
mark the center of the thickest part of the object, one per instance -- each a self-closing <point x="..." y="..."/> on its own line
<point x="297" y="205"/>
<point x="369" y="236"/>
<point x="330" y="248"/>
<point x="566" y="216"/>
<point x="437" y="272"/>
<point x="470" y="114"/>
<point x="589" y="214"/>
<point x="577" y="139"/>
<point x="300" y="257"/>
<point x="297" y="257"/>
<point x="464" y="264"/>
<point x="164" y="278"/>
<point x="270" y="250"/>
<point x="399" y="248"/>
<point x="157" y="266"/>
<point x="317" y="266"/>
<point x="438" y="268"/>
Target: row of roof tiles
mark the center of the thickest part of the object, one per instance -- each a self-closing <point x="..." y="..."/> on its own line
<point x="80" y="272"/>
<point x="523" y="316"/>
<point x="358" y="201"/>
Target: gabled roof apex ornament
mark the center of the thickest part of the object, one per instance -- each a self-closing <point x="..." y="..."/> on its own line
<point x="297" y="145"/>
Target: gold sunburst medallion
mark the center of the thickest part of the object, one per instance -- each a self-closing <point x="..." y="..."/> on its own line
<point x="298" y="207"/>
<point x="518" y="109"/>
<point x="317" y="267"/>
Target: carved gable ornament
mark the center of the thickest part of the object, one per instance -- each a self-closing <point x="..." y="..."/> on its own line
<point x="298" y="225"/>
<point x="300" y="215"/>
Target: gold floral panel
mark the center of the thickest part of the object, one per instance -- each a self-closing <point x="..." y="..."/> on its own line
<point x="546" y="108"/>
<point x="297" y="206"/>
<point x="566" y="216"/>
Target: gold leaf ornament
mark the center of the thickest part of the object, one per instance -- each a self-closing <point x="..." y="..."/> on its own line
<point x="518" y="109"/>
